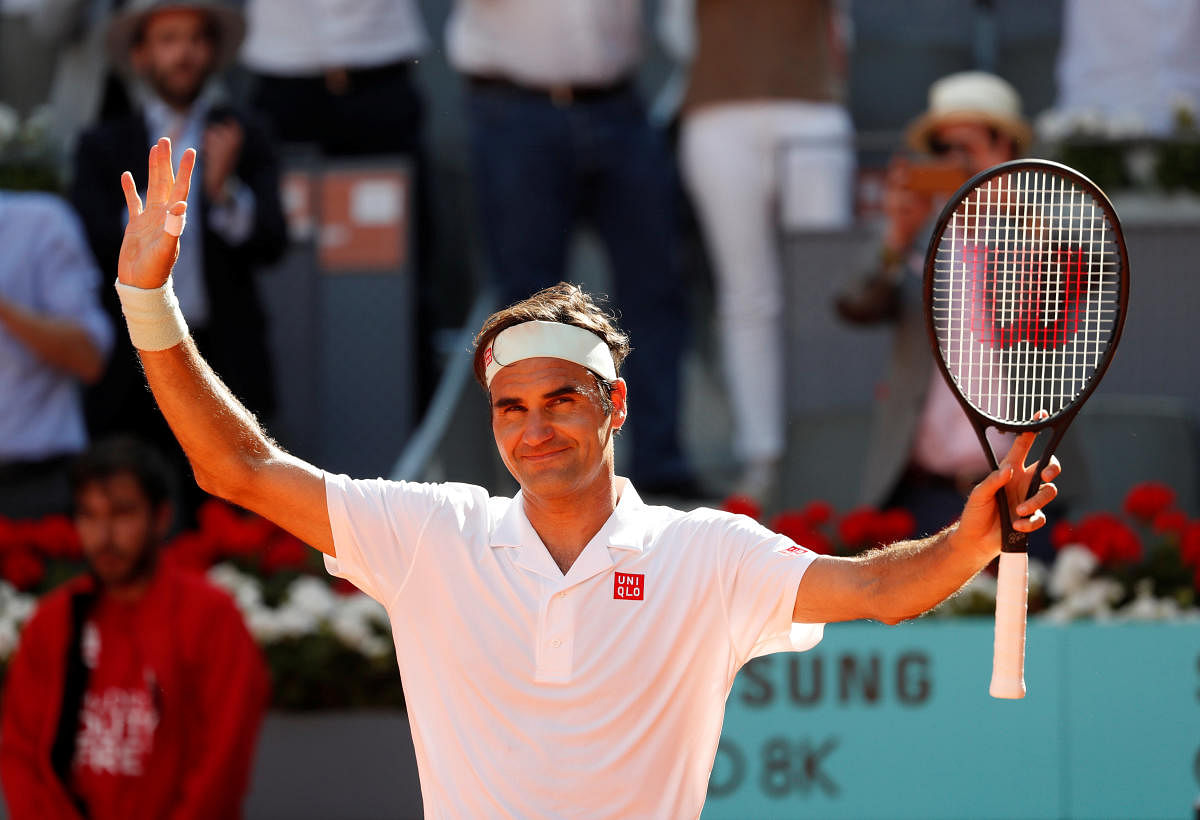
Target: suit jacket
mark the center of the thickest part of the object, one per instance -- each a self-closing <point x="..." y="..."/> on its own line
<point x="234" y="340"/>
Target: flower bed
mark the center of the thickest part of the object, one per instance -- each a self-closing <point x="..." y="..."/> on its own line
<point x="329" y="645"/>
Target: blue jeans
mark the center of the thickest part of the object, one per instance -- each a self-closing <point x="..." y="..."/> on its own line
<point x="541" y="169"/>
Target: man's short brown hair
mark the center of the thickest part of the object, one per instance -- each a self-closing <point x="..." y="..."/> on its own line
<point x="563" y="303"/>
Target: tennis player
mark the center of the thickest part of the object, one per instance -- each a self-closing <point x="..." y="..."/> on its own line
<point x="567" y="651"/>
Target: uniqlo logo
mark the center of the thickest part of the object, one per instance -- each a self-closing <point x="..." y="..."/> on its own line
<point x="627" y="587"/>
<point x="792" y="551"/>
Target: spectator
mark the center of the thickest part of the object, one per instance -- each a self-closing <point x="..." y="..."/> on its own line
<point x="559" y="136"/>
<point x="341" y="76"/>
<point x="54" y="337"/>
<point x="136" y="690"/>
<point x="338" y="75"/>
<point x="764" y="148"/>
<point x="175" y="50"/>
<point x="923" y="454"/>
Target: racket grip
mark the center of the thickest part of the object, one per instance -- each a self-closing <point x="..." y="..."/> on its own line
<point x="1012" y="594"/>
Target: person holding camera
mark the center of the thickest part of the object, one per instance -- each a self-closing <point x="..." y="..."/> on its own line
<point x="922" y="454"/>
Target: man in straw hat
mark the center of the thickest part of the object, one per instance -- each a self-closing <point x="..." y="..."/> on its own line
<point x="566" y="652"/>
<point x="174" y="51"/>
<point x="923" y="454"/>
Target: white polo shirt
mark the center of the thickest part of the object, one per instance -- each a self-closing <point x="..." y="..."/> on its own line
<point x="595" y="694"/>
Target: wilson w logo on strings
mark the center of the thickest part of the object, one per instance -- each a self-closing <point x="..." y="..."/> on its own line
<point x="1031" y="296"/>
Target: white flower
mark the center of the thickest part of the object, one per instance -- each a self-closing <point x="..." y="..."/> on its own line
<point x="15" y="609"/>
<point x="311" y="596"/>
<point x="357" y="622"/>
<point x="1074" y="566"/>
<point x="1087" y="122"/>
<point x="1053" y="125"/>
<point x="1145" y="607"/>
<point x="10" y="124"/>
<point x="1126" y="125"/>
<point x="1094" y="599"/>
<point x="245" y="589"/>
<point x="1038" y="575"/>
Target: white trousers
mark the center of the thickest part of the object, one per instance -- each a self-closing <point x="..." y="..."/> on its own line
<point x="753" y="170"/>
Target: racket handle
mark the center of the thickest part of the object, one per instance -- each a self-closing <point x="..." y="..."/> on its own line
<point x="1012" y="594"/>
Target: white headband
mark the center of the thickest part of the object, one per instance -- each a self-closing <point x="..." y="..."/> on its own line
<point x="530" y="340"/>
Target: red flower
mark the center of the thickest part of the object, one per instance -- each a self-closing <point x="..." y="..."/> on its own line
<point x="343" y="587"/>
<point x="234" y="534"/>
<point x="1148" y="499"/>
<point x="795" y="525"/>
<point x="858" y="527"/>
<point x="1109" y="538"/>
<point x="1189" y="545"/>
<point x="191" y="550"/>
<point x="56" y="537"/>
<point x="22" y="568"/>
<point x="817" y="513"/>
<point x="285" y="552"/>
<point x="1169" y="522"/>
<point x="742" y="505"/>
<point x="894" y="525"/>
<point x="1063" y="534"/>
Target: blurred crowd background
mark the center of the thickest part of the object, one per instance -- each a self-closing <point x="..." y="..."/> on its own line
<point x="377" y="170"/>
<point x="749" y="182"/>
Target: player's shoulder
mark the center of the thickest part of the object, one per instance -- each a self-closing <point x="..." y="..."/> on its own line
<point x="699" y="527"/>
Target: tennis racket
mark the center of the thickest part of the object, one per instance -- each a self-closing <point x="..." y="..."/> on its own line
<point x="1026" y="288"/>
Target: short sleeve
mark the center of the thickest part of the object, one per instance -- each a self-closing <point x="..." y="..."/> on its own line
<point x="377" y="528"/>
<point x="761" y="591"/>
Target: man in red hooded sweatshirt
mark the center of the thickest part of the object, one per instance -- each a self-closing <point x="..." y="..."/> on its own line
<point x="136" y="691"/>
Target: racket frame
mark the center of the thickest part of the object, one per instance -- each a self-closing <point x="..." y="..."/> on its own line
<point x="1014" y="541"/>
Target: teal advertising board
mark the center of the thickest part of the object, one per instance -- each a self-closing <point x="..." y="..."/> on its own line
<point x="896" y="722"/>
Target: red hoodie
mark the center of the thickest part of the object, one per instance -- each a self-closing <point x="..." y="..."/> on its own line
<point x="175" y="696"/>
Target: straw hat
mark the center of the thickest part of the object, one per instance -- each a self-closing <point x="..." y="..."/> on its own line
<point x="125" y="27"/>
<point x="971" y="96"/>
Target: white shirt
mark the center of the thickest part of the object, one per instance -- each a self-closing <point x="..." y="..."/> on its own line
<point x="542" y="44"/>
<point x="304" y="37"/>
<point x="595" y="694"/>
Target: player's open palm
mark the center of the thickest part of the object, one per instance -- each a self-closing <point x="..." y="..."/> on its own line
<point x="151" y="241"/>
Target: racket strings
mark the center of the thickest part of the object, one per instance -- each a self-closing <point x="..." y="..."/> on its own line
<point x="1026" y="293"/>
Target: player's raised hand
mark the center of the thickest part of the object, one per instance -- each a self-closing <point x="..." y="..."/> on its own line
<point x="151" y="242"/>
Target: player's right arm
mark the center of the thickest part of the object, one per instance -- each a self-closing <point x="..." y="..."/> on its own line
<point x="231" y="455"/>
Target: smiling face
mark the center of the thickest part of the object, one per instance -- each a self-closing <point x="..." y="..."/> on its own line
<point x="552" y="429"/>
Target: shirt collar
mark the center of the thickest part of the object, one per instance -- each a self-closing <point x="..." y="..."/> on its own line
<point x="159" y="115"/>
<point x="624" y="529"/>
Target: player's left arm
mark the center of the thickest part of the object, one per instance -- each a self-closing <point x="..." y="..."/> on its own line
<point x="908" y="578"/>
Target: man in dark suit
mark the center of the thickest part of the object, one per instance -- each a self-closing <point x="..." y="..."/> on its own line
<point x="175" y="51"/>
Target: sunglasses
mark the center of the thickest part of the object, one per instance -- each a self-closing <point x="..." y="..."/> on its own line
<point x="941" y="148"/>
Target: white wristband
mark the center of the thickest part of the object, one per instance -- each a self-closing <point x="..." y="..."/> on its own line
<point x="153" y="316"/>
